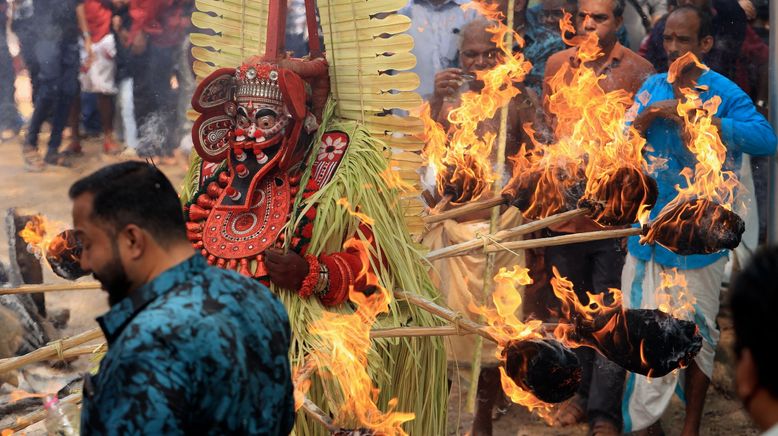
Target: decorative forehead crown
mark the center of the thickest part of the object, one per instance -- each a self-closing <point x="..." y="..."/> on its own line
<point x="258" y="83"/>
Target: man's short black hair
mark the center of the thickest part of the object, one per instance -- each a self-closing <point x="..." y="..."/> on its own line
<point x="618" y="7"/>
<point x="134" y="193"/>
<point x="754" y="304"/>
<point x="705" y="16"/>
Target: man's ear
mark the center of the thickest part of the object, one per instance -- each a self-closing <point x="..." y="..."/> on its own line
<point x="706" y="44"/>
<point x="134" y="241"/>
<point x="746" y="378"/>
<point x="619" y="22"/>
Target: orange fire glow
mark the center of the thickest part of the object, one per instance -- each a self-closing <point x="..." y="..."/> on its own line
<point x="19" y="395"/>
<point x="463" y="156"/>
<point x="673" y="295"/>
<point x="344" y="357"/>
<point x="43" y="236"/>
<point x="571" y="308"/>
<point x="592" y="142"/>
<point x="505" y="326"/>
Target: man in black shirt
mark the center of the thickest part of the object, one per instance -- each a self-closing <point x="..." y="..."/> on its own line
<point x="58" y="24"/>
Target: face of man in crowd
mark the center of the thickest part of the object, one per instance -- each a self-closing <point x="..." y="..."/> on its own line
<point x="596" y="16"/>
<point x="478" y="52"/>
<point x="682" y="36"/>
<point x="100" y="254"/>
<point x="551" y="11"/>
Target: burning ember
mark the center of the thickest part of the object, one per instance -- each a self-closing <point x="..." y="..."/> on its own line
<point x="594" y="158"/>
<point x="536" y="371"/>
<point x="648" y="342"/>
<point x="699" y="220"/>
<point x="61" y="251"/>
<point x="344" y="358"/>
<point x="461" y="157"/>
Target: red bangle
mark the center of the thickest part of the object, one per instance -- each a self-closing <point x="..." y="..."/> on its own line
<point x="310" y="281"/>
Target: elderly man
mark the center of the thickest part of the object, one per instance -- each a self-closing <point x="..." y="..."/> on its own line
<point x="461" y="277"/>
<point x="192" y="348"/>
<point x="742" y="130"/>
<point x="595" y="266"/>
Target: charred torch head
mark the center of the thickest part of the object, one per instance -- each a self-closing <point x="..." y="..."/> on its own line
<point x="544" y="367"/>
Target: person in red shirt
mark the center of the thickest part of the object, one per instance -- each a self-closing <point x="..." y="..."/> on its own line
<point x="158" y="28"/>
<point x="98" y="75"/>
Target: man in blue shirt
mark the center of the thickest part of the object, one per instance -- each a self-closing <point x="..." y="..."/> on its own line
<point x="742" y="130"/>
<point x="192" y="349"/>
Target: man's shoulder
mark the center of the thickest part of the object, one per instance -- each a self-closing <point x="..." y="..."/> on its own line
<point x="556" y="60"/>
<point x="638" y="62"/>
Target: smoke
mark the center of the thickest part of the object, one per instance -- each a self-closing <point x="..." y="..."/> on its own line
<point x="153" y="134"/>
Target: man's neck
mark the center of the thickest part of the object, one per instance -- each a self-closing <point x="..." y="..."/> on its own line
<point x="164" y="259"/>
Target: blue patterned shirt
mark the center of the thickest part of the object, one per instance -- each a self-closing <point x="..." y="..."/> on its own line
<point x="198" y="350"/>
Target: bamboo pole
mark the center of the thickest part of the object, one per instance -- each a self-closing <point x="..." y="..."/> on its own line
<point x="488" y="281"/>
<point x="449" y="315"/>
<point x="464" y="247"/>
<point x="39" y="415"/>
<point x="318" y="415"/>
<point x="50" y="350"/>
<point x="573" y="238"/>
<point x="464" y="210"/>
<point x="406" y="332"/>
<point x="33" y="289"/>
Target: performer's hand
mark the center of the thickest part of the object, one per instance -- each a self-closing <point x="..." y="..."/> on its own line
<point x="287" y="270"/>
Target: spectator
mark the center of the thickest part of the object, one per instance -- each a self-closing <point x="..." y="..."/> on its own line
<point x="729" y="24"/>
<point x="639" y="18"/>
<point x="23" y="26"/>
<point x="97" y="78"/>
<point x="754" y="302"/>
<point x="743" y="130"/>
<point x="157" y="30"/>
<point x="193" y="349"/>
<point x="435" y="26"/>
<point x="595" y="266"/>
<point x="10" y="120"/>
<point x="542" y="37"/>
<point x="58" y="24"/>
<point x="121" y="22"/>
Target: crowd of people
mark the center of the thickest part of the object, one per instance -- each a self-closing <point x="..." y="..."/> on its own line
<point x="87" y="58"/>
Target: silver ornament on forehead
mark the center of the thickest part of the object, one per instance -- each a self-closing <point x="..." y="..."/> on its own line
<point x="273" y="75"/>
<point x="251" y="74"/>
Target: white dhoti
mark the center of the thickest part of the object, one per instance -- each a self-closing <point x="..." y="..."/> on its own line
<point x="645" y="400"/>
<point x="460" y="278"/>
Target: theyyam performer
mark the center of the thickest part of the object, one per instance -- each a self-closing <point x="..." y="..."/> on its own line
<point x="282" y="178"/>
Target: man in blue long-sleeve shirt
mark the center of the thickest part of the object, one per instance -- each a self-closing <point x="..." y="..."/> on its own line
<point x="742" y="130"/>
<point x="192" y="349"/>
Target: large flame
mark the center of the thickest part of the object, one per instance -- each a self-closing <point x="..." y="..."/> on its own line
<point x="344" y="356"/>
<point x="462" y="157"/>
<point x="707" y="186"/>
<point x="44" y="236"/>
<point x="591" y="140"/>
<point x="505" y="326"/>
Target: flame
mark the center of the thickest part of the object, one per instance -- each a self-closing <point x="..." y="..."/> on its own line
<point x="361" y="216"/>
<point x="673" y="296"/>
<point x="302" y="383"/>
<point x="346" y="339"/>
<point x="708" y="180"/>
<point x="44" y="237"/>
<point x="19" y="395"/>
<point x="572" y="308"/>
<point x="505" y="326"/>
<point x="462" y="156"/>
<point x="591" y="140"/>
